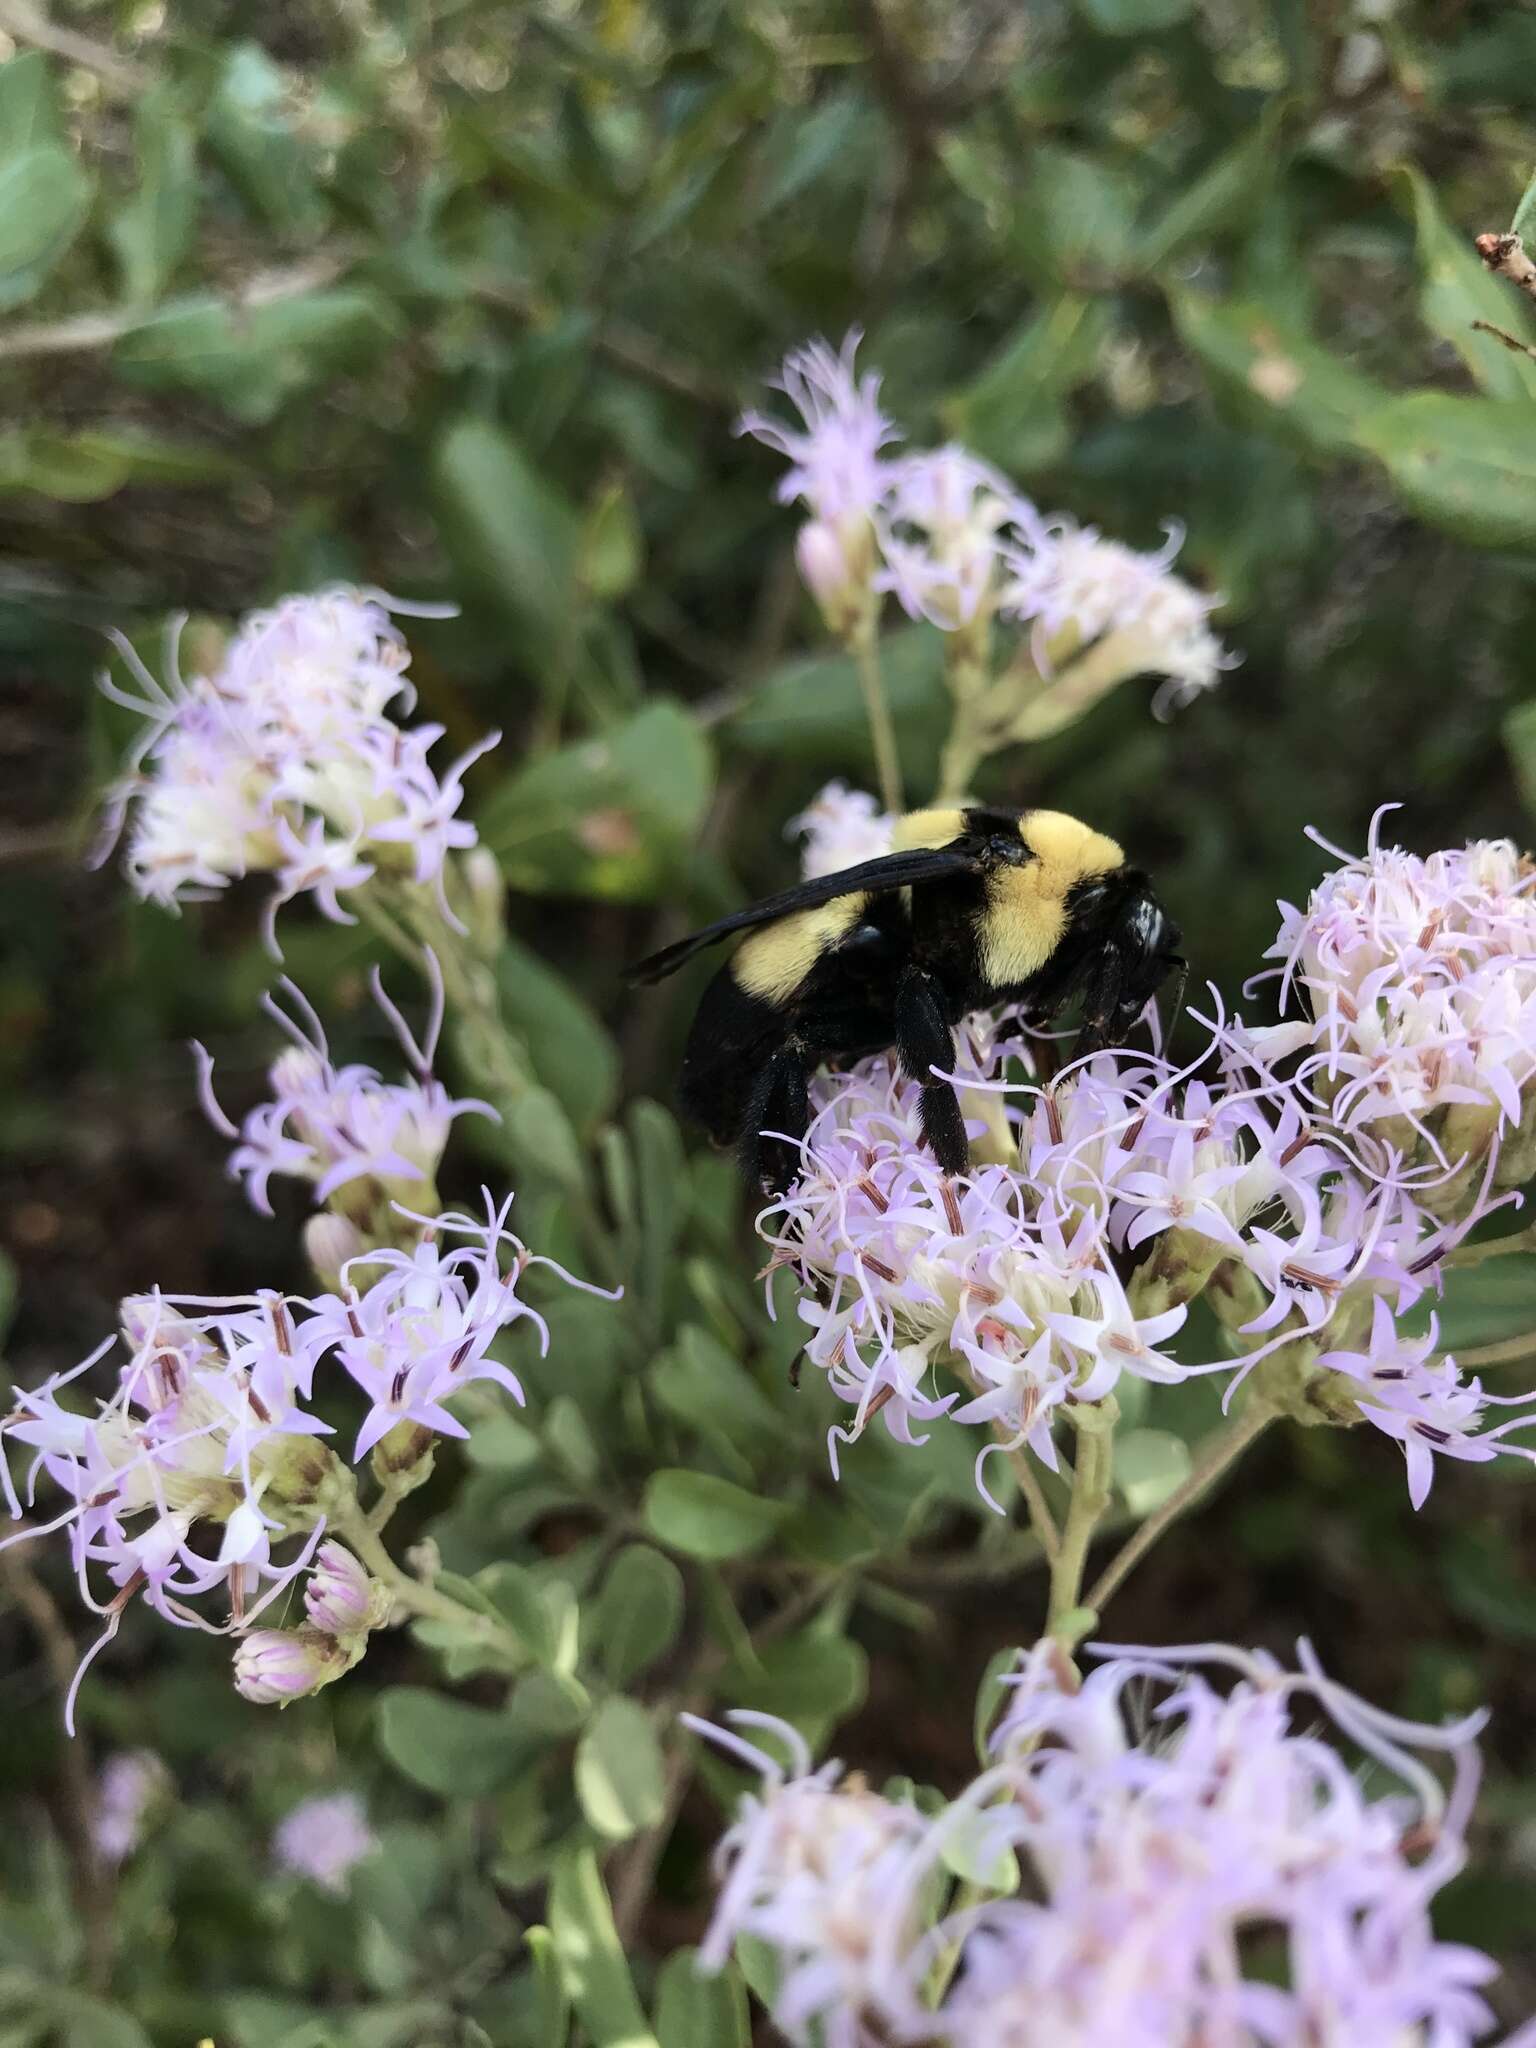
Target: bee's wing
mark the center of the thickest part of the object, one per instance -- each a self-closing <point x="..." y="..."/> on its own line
<point x="890" y="871"/>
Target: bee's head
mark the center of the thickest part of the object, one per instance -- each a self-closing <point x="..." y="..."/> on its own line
<point x="1144" y="943"/>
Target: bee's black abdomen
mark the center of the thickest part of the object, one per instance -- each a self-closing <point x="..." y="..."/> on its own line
<point x="732" y="1035"/>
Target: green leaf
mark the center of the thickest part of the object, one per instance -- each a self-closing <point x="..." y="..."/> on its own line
<point x="513" y="538"/>
<point x="1468" y="464"/>
<point x="249" y="127"/>
<point x="1456" y="288"/>
<point x="991" y="1696"/>
<point x="542" y="1140"/>
<point x="82" y="468"/>
<point x="612" y="547"/>
<point x="811" y="708"/>
<point x="567" y="1046"/>
<point x="810" y="1676"/>
<point x="590" y="1957"/>
<point x="449" y="1748"/>
<point x="1079" y="227"/>
<point x="1133" y="17"/>
<point x="1524" y="222"/>
<point x="1520" y="742"/>
<point x="972" y="1852"/>
<point x="150" y="232"/>
<point x="1011" y="411"/>
<point x="551" y="2021"/>
<point x="1150" y="1464"/>
<point x="1273" y="374"/>
<point x="521" y="1601"/>
<point x="661" y="1178"/>
<point x="612" y="817"/>
<point x="709" y="1518"/>
<point x="619" y="1773"/>
<point x="29" y="106"/>
<point x="1488" y="1304"/>
<point x="698" y="2011"/>
<point x="44" y="199"/>
<point x="1223" y="196"/>
<point x="638" y="1614"/>
<point x="252" y="359"/>
<point x="92" y="2023"/>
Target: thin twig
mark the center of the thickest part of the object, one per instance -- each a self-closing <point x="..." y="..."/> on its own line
<point x="87" y="331"/>
<point x="631" y="1887"/>
<point x="93" y="1891"/>
<point x="28" y="24"/>
<point x="626" y="347"/>
<point x="1227" y="1447"/>
<point x="1521" y="348"/>
<point x="1505" y="256"/>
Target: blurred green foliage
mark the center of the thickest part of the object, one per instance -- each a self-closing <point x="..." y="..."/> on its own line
<point x="462" y="301"/>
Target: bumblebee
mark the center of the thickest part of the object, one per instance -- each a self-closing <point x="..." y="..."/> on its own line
<point x="972" y="908"/>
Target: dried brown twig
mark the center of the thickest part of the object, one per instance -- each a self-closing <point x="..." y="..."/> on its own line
<point x="1505" y="256"/>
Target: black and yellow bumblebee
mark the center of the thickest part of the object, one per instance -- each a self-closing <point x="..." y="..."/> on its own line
<point x="972" y="908"/>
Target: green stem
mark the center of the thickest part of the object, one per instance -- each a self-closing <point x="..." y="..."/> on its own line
<point x="1497" y="1248"/>
<point x="1505" y="1352"/>
<point x="864" y="643"/>
<point x="1220" y="1452"/>
<point x="353" y="1527"/>
<point x="412" y="923"/>
<point x="1041" y="1520"/>
<point x="1091" y="1483"/>
<point x="963" y="753"/>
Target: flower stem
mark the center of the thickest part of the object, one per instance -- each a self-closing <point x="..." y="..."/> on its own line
<point x="1495" y="1248"/>
<point x="1091" y="1482"/>
<point x="1505" y="1352"/>
<point x="1220" y="1452"/>
<point x="353" y="1526"/>
<point x="864" y="644"/>
<point x="1041" y="1520"/>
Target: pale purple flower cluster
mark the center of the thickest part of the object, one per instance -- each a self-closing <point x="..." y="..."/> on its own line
<point x="1097" y="1209"/>
<point x="130" y="1785"/>
<point x="1412" y="984"/>
<point x="208" y="1457"/>
<point x="1076" y="590"/>
<point x="957" y="543"/>
<point x="1203" y="1868"/>
<point x="339" y="1127"/>
<point x="324" y="1840"/>
<point x="288" y="760"/>
<point x="839" y="828"/>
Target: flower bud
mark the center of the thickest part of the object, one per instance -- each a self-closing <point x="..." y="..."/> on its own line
<point x="274" y="1666"/>
<point x="304" y="1473"/>
<point x="828" y="568"/>
<point x="402" y="1458"/>
<point x="330" y="1241"/>
<point x="486" y="889"/>
<point x="339" y="1596"/>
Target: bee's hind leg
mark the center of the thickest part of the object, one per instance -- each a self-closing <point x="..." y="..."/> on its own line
<point x="775" y="1121"/>
<point x="924" y="1041"/>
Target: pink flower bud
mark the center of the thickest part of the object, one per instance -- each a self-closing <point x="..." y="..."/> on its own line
<point x="338" y="1596"/>
<point x="822" y="563"/>
<point x="276" y="1665"/>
